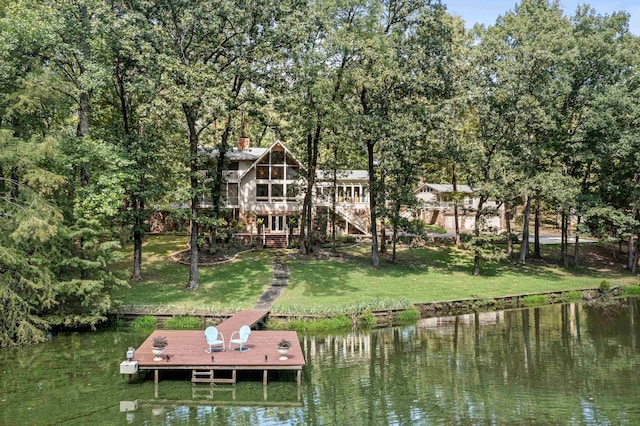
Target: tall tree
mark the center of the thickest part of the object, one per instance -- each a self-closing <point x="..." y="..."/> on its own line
<point x="525" y="49"/>
<point x="201" y="50"/>
<point x="398" y="63"/>
<point x="127" y="119"/>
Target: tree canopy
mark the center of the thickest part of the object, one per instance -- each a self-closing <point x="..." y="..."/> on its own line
<point x="104" y="106"/>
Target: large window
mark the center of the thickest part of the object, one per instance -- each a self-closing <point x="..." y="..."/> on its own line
<point x="262" y="192"/>
<point x="274" y="174"/>
<point x="277" y="191"/>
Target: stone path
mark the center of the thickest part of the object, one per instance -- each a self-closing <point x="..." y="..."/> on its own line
<point x="279" y="280"/>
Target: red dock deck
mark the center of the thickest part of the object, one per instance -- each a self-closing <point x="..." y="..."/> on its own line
<point x="186" y="351"/>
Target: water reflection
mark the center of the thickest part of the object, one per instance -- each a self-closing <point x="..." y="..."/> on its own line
<point x="568" y="364"/>
<point x="558" y="364"/>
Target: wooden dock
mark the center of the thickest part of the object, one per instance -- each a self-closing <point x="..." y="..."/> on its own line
<point x="186" y="351"/>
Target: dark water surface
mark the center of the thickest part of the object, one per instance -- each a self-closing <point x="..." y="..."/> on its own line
<point x="564" y="364"/>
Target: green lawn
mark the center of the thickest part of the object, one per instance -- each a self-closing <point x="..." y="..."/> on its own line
<point x="428" y="274"/>
<point x="425" y="275"/>
<point x="231" y="286"/>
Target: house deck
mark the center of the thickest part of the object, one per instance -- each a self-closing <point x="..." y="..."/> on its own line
<point x="186" y="351"/>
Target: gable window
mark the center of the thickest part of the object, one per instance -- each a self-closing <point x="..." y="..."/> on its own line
<point x="277" y="157"/>
<point x="277" y="172"/>
<point x="292" y="172"/>
<point x="262" y="172"/>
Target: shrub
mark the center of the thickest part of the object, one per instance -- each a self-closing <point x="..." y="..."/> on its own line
<point x="435" y="229"/>
<point x="147" y="322"/>
<point x="573" y="296"/>
<point x="345" y="239"/>
<point x="535" y="300"/>
<point x="605" y="286"/>
<point x="183" y="323"/>
<point x="408" y="316"/>
<point x="366" y="320"/>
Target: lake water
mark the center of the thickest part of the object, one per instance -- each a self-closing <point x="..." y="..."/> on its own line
<point x="562" y="364"/>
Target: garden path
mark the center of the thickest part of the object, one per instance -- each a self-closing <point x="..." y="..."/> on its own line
<point x="279" y="280"/>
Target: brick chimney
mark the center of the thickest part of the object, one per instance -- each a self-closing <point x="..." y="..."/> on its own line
<point x="243" y="143"/>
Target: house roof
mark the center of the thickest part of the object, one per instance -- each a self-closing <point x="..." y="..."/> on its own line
<point x="438" y="187"/>
<point x="343" y="174"/>
<point x="250" y="154"/>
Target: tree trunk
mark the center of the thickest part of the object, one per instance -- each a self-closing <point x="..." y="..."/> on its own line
<point x="138" y="234"/>
<point x="190" y="116"/>
<point x="218" y="183"/>
<point x="563" y="237"/>
<point x="395" y="240"/>
<point x="310" y="226"/>
<point x="565" y="260"/>
<point x="396" y="214"/>
<point x="137" y="203"/>
<point x="524" y="246"/>
<point x="302" y="238"/>
<point x="15" y="178"/>
<point x="193" y="242"/>
<point x="83" y="130"/>
<point x="373" y="193"/>
<point x="634" y="214"/>
<point x="576" y="247"/>
<point x="476" y="263"/>
<point x="213" y="240"/>
<point x="476" y="233"/>
<point x="507" y="208"/>
<point x="536" y="230"/>
<point x="306" y="228"/>
<point x="383" y="226"/>
<point x="636" y="254"/>
<point x="137" y="256"/>
<point x="334" y="189"/>
<point x="454" y="181"/>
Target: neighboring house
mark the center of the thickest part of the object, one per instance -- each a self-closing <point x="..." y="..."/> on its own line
<point x="436" y="207"/>
<point x="264" y="192"/>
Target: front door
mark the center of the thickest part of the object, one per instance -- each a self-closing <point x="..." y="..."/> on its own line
<point x="278" y="223"/>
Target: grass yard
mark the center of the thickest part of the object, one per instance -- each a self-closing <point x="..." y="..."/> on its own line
<point x="227" y="287"/>
<point x="429" y="274"/>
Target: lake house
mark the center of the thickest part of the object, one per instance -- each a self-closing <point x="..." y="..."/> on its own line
<point x="264" y="188"/>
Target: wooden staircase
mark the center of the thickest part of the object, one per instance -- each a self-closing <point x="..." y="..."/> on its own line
<point x="208" y="376"/>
